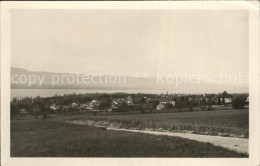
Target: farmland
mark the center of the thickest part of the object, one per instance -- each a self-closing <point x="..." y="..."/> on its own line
<point x="52" y="137"/>
<point x="57" y="139"/>
<point x="232" y="123"/>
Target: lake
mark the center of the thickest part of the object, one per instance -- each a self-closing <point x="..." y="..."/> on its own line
<point x="19" y="93"/>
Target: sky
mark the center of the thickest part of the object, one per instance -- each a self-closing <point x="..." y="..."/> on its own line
<point x="128" y="41"/>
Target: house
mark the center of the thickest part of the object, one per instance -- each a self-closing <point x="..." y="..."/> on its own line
<point x="36" y="108"/>
<point x="247" y="100"/>
<point x="129" y="101"/>
<point x="120" y="101"/>
<point x="144" y="99"/>
<point x="74" y="105"/>
<point x="95" y="103"/>
<point x="160" y="106"/>
<point x="82" y="106"/>
<point x="211" y="98"/>
<point x="89" y="106"/>
<point x="23" y="112"/>
<point x="114" y="105"/>
<point x="226" y="98"/>
<point x="53" y="107"/>
<point x="168" y="101"/>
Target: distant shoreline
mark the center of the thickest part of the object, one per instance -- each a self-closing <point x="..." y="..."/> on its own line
<point x="20" y="93"/>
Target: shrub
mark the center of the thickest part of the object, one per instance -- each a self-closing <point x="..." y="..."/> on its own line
<point x="203" y="108"/>
<point x="15" y="109"/>
<point x="191" y="108"/>
<point x="209" y="108"/>
<point x="238" y="102"/>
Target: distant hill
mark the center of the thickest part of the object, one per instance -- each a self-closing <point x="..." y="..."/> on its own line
<point x="139" y="83"/>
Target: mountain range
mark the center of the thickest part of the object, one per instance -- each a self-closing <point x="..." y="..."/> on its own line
<point x="49" y="80"/>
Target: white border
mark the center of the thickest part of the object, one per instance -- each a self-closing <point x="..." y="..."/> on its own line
<point x="196" y="5"/>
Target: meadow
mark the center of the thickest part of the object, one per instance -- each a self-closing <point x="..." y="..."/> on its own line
<point x="232" y="123"/>
<point x="49" y="138"/>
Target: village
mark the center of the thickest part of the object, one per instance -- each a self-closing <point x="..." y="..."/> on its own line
<point x="122" y="102"/>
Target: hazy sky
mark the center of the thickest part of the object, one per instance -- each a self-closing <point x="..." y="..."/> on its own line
<point x="128" y="41"/>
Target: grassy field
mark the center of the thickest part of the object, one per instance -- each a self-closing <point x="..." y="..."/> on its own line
<point x="232" y="123"/>
<point x="46" y="138"/>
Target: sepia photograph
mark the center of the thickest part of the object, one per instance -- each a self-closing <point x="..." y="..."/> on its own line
<point x="114" y="82"/>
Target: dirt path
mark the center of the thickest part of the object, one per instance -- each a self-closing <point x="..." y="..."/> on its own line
<point x="235" y="144"/>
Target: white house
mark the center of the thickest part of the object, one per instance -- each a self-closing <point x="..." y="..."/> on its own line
<point x="168" y="100"/>
<point x="95" y="102"/>
<point x="73" y="105"/>
<point x="53" y="107"/>
<point x="129" y="100"/>
<point x="247" y="100"/>
<point x="227" y="98"/>
<point x="160" y="106"/>
<point x="24" y="112"/>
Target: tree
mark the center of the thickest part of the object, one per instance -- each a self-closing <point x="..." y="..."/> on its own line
<point x="46" y="110"/>
<point x="180" y="103"/>
<point x="35" y="111"/>
<point x="142" y="101"/>
<point x="153" y="105"/>
<point x="219" y="100"/>
<point x="238" y="102"/>
<point x="209" y="104"/>
<point x="123" y="107"/>
<point x="106" y="103"/>
<point x="223" y="101"/>
<point x="191" y="108"/>
<point x="14" y="109"/>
